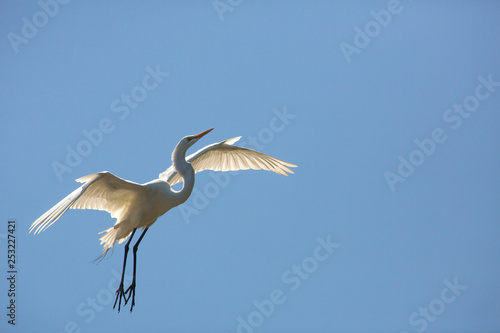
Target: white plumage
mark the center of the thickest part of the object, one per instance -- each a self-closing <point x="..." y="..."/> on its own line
<point x="223" y="156"/>
<point x="139" y="205"/>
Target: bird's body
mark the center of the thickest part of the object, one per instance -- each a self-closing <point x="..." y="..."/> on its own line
<point x="138" y="206"/>
<point x="133" y="205"/>
<point x="141" y="210"/>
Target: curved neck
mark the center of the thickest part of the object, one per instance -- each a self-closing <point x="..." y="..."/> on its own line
<point x="186" y="171"/>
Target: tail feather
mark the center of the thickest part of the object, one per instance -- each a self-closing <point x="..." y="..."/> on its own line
<point x="102" y="255"/>
<point x="110" y="237"/>
<point x="108" y="240"/>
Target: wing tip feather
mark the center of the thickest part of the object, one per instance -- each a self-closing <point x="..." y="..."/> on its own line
<point x="231" y="141"/>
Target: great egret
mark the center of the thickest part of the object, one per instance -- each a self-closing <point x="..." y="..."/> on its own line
<point x="139" y="205"/>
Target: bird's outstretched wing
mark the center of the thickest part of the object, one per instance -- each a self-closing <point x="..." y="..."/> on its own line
<point x="223" y="156"/>
<point x="101" y="191"/>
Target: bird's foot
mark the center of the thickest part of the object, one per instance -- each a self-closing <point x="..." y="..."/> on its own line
<point x="126" y="295"/>
<point x="131" y="293"/>
<point x="120" y="293"/>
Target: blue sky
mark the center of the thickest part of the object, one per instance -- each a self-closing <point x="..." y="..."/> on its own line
<point x="390" y="110"/>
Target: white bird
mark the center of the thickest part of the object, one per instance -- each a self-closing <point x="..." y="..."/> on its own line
<point x="139" y="205"/>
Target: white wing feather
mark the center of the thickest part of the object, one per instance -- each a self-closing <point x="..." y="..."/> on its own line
<point x="223" y="156"/>
<point x="101" y="191"/>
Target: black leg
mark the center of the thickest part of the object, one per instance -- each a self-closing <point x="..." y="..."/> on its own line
<point x="131" y="289"/>
<point x="119" y="292"/>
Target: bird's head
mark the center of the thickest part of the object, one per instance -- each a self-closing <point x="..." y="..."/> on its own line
<point x="190" y="140"/>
